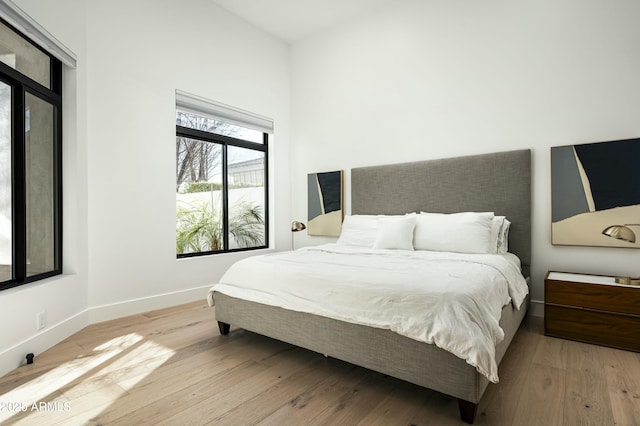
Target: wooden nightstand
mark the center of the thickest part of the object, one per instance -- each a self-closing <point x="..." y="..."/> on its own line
<point x="592" y="309"/>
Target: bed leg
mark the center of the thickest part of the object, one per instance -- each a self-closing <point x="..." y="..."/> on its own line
<point x="224" y="328"/>
<point x="467" y="411"/>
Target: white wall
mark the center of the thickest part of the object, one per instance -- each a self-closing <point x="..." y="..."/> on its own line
<point x="119" y="164"/>
<point x="431" y="79"/>
<point x="139" y="53"/>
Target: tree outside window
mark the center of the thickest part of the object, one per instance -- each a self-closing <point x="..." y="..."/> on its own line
<point x="221" y="193"/>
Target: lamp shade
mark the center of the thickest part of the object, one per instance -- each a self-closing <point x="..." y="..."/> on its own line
<point x="620" y="232"/>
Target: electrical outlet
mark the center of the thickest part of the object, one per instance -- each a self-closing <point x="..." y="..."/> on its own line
<point x="42" y="320"/>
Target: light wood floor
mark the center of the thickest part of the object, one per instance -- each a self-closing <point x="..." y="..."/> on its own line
<point x="171" y="367"/>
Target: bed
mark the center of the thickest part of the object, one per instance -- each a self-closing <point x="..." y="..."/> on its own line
<point x="496" y="182"/>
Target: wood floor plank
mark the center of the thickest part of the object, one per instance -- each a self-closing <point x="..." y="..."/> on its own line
<point x="551" y="352"/>
<point x="308" y="405"/>
<point x="587" y="399"/>
<point x="584" y="356"/>
<point x="83" y="408"/>
<point x="198" y="306"/>
<point x="145" y="326"/>
<point x="187" y="400"/>
<point x="499" y="403"/>
<point x="622" y="372"/>
<point x="353" y="405"/>
<point x="173" y="367"/>
<point x="236" y="388"/>
<point x="176" y="372"/>
<point x="156" y="395"/>
<point x="49" y="360"/>
<point x="400" y="406"/>
<point x="437" y="410"/>
<point x="34" y="413"/>
<point x="541" y="402"/>
<point x="271" y="399"/>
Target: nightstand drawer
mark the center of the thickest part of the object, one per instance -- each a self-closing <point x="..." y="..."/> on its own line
<point x="602" y="328"/>
<point x="620" y="299"/>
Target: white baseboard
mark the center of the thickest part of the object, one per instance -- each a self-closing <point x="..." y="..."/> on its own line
<point x="145" y="304"/>
<point x="536" y="308"/>
<point x="14" y="356"/>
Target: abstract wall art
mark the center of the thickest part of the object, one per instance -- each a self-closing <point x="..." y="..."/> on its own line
<point x="595" y="186"/>
<point x="325" y="203"/>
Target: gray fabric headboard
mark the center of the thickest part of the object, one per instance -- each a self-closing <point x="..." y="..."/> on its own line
<point x="499" y="182"/>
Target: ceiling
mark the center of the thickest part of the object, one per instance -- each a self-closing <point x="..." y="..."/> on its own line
<point x="293" y="20"/>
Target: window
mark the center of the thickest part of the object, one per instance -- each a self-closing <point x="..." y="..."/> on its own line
<point x="221" y="179"/>
<point x="30" y="160"/>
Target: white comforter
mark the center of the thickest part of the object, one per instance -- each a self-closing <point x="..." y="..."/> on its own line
<point x="449" y="299"/>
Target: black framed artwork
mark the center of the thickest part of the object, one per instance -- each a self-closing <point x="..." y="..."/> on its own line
<point x="595" y="190"/>
<point x="325" y="203"/>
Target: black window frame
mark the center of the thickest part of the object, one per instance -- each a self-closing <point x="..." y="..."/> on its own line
<point x="20" y="86"/>
<point x="225" y="142"/>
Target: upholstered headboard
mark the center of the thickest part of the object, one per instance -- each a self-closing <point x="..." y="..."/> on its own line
<point x="499" y="182"/>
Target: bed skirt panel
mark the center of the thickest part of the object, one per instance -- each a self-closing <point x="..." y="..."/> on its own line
<point x="376" y="349"/>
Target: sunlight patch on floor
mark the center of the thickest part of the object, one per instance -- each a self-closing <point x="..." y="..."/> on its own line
<point x="130" y="360"/>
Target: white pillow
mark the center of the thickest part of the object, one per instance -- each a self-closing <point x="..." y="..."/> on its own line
<point x="467" y="232"/>
<point x="496" y="232"/>
<point x="359" y="230"/>
<point x="500" y="234"/>
<point x="395" y="233"/>
<point x="503" y="241"/>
